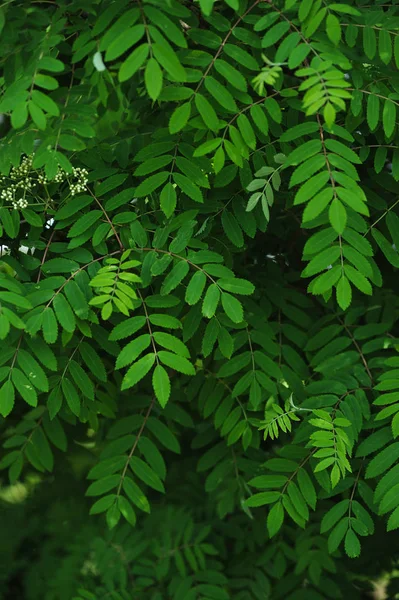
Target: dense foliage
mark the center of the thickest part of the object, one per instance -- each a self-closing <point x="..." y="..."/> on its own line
<point x="199" y="230"/>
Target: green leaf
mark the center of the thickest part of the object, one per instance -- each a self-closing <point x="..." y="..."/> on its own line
<point x="299" y="131"/>
<point x="125" y="40"/>
<point x="322" y="261"/>
<point x="64" y="313"/>
<point x="84" y="222"/>
<point x="384" y="459"/>
<point x="385" y="46"/>
<point x="207" y="147"/>
<point x="103" y="504"/>
<point x="163" y="434"/>
<point x="50" y="326"/>
<point x="135" y="495"/>
<point x="150" y="184"/>
<point x="175" y="277"/>
<point x="137" y="371"/>
<point x="358" y="280"/>
<point x="333" y="28"/>
<point x="337" y="216"/>
<point x="33" y="370"/>
<point x="48" y="63"/>
<point x="171" y="342"/>
<point x="132" y="350"/>
<point x="337" y="535"/>
<point x="334" y="515"/>
<point x="38" y="116"/>
<point x="233" y="308"/>
<point x="102" y="486"/>
<point x="232" y="75"/>
<point x="237" y="286"/>
<point x="390" y="254"/>
<point x="133" y="62"/>
<point x="275" y="33"/>
<point x="168" y="59"/>
<point x="188" y="187"/>
<point x="207" y="6"/>
<point x="93" y="361"/>
<point x="146" y="474"/>
<point x="168" y="199"/>
<point x="45" y="103"/>
<point x="178" y="363"/>
<point x="7" y="398"/>
<point x="304" y="9"/>
<point x="127" y="327"/>
<point x="19" y="115"/>
<point x="195" y="288"/>
<point x="180" y="117"/>
<point x="389" y="118"/>
<point x="211" y="301"/>
<point x="24" y="387"/>
<point x="344" y="293"/>
<point x="71" y="396"/>
<point x="232" y="228"/>
<point x="373" y="111"/>
<point x="207" y="112"/>
<point x="161" y="385"/>
<point x="307" y="488"/>
<point x="126" y="510"/>
<point x="352" y="544"/>
<point x="76" y="299"/>
<point x="221" y="94"/>
<point x="241" y="56"/>
<point x="369" y="42"/>
<point x="275" y="519"/>
<point x="393" y="521"/>
<point x="309" y="189"/>
<point x="262" y="498"/>
<point x="15" y="300"/>
<point x="153" y="79"/>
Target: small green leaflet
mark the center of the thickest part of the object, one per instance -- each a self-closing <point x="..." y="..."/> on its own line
<point x="137" y="371"/>
<point x="178" y="363"/>
<point x="232" y="307"/>
<point x="161" y="385"/>
<point x="179" y="117"/>
<point x="153" y="79"/>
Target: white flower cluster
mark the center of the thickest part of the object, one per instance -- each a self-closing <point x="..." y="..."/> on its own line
<point x="59" y="178"/>
<point x="21" y="181"/>
<point x="8" y="193"/>
<point x="24" y="168"/>
<point x="19" y="204"/>
<point x="24" y="179"/>
<point x="81" y="180"/>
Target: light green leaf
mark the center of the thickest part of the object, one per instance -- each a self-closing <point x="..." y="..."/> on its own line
<point x="211" y="301"/>
<point x="207" y="112"/>
<point x="275" y="519"/>
<point x="153" y="79"/>
<point x="161" y="385"/>
<point x="179" y="117"/>
<point x="133" y="62"/>
<point x="7" y="398"/>
<point x="233" y="308"/>
<point x="137" y="371"/>
<point x="337" y="216"/>
<point x="168" y="199"/>
<point x="344" y="293"/>
<point x="178" y="363"/>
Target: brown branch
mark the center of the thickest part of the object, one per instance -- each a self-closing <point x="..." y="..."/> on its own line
<point x="45" y="255"/>
<point x="107" y="217"/>
<point x="136" y="441"/>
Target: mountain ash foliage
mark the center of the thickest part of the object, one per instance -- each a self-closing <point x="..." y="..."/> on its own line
<point x="199" y="231"/>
